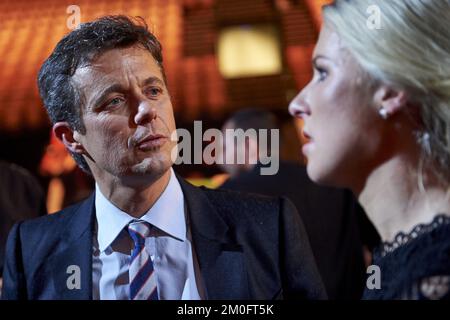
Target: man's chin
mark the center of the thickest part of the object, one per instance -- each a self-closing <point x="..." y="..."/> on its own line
<point x="150" y="166"/>
<point x="143" y="167"/>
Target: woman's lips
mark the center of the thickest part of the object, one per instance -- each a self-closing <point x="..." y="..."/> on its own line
<point x="307" y="135"/>
<point x="308" y="144"/>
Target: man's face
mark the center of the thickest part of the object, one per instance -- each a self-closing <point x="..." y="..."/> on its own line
<point x="127" y="114"/>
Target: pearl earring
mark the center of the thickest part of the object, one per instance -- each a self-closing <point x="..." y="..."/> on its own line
<point x="423" y="139"/>
<point x="383" y="113"/>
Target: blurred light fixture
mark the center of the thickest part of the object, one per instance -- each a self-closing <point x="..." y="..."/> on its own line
<point x="249" y="51"/>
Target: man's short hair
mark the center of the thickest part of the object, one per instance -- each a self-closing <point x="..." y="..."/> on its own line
<point x="80" y="47"/>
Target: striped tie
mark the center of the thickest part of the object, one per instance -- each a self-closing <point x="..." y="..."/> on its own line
<point x="141" y="275"/>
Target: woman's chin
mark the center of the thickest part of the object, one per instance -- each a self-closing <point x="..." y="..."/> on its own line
<point x="308" y="148"/>
<point x="313" y="174"/>
<point x="320" y="176"/>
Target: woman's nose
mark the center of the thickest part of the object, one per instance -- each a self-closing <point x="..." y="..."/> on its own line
<point x="298" y="107"/>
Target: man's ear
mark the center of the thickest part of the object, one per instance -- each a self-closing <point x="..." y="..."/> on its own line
<point x="66" y="135"/>
<point x="391" y="100"/>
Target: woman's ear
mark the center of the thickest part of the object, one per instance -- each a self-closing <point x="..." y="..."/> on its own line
<point x="391" y="100"/>
<point x="66" y="135"/>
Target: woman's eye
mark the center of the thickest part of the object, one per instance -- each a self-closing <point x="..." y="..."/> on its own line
<point x="322" y="74"/>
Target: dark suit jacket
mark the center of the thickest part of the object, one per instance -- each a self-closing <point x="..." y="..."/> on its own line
<point x="21" y="197"/>
<point x="247" y="247"/>
<point x="336" y="224"/>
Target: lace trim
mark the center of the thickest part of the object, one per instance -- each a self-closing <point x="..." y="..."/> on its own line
<point x="403" y="238"/>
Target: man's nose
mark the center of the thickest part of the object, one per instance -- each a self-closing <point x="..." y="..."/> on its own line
<point x="145" y="113"/>
<point x="298" y="107"/>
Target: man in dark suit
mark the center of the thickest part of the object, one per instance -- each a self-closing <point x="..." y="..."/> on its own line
<point x="21" y="197"/>
<point x="145" y="233"/>
<point x="333" y="218"/>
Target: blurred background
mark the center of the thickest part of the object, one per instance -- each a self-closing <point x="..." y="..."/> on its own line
<point x="220" y="56"/>
<point x="224" y="59"/>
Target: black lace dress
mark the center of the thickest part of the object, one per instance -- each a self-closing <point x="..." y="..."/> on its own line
<point x="416" y="265"/>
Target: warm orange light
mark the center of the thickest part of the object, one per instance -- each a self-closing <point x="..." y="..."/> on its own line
<point x="315" y="7"/>
<point x="56" y="159"/>
<point x="249" y="50"/>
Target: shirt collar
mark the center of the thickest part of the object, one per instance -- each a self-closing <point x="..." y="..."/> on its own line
<point x="167" y="214"/>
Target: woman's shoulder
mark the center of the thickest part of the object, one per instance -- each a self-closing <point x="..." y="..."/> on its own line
<point x="416" y="265"/>
<point x="423" y="240"/>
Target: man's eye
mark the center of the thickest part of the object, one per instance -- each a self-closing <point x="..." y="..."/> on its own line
<point x="115" y="102"/>
<point x="153" y="92"/>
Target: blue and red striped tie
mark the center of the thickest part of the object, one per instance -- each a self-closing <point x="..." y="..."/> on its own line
<point x="141" y="273"/>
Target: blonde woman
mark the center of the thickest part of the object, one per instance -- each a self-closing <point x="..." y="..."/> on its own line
<point x="377" y="115"/>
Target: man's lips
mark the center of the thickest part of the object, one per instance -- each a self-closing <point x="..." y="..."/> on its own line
<point x="151" y="141"/>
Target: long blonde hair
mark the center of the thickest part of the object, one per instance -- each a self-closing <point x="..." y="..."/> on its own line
<point x="407" y="46"/>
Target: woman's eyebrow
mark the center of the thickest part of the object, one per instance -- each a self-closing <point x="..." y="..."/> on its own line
<point x="320" y="56"/>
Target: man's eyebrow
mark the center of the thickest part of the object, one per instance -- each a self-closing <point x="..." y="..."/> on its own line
<point x="152" y="80"/>
<point x="119" y="88"/>
<point x="101" y="96"/>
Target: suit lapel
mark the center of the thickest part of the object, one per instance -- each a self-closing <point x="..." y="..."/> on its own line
<point x="71" y="266"/>
<point x="221" y="262"/>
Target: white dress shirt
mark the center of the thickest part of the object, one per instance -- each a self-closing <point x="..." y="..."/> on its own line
<point x="169" y="246"/>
